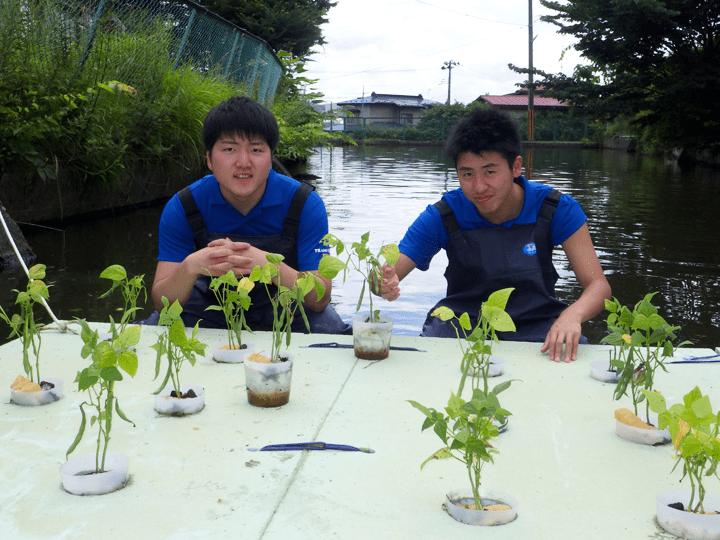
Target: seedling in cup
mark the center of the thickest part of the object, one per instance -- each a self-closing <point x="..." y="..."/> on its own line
<point x="175" y="345"/>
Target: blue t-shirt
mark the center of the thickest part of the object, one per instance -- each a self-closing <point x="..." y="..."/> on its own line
<point x="265" y="219"/>
<point x="427" y="235"/>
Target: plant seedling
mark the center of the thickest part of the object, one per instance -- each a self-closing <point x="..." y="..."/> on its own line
<point x="286" y="301"/>
<point x="175" y="344"/>
<point x="98" y="380"/>
<point x="476" y="349"/>
<point x="694" y="430"/>
<point x="642" y="340"/>
<point x="233" y="297"/>
<point x="466" y="430"/>
<point x="131" y="289"/>
<point x="23" y="325"/>
<point x="467" y="427"/>
<point x="367" y="264"/>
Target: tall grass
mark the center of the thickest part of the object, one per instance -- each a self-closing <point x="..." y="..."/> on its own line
<point x="97" y="114"/>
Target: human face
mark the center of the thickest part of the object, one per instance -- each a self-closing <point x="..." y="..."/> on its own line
<point x="487" y="181"/>
<point x="241" y="167"/>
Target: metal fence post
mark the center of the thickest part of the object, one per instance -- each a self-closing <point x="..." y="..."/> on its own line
<point x="185" y="37"/>
<point x="232" y="53"/>
<point x="91" y="37"/>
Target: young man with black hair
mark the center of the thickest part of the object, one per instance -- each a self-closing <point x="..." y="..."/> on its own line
<point x="231" y="219"/>
<point x="499" y="230"/>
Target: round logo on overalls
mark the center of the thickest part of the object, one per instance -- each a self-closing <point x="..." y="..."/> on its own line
<point x="530" y="249"/>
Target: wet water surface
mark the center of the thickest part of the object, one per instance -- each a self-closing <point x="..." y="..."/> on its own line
<point x="655" y="228"/>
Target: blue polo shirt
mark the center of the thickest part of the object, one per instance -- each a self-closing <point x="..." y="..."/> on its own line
<point x="427" y="235"/>
<point x="265" y="219"/>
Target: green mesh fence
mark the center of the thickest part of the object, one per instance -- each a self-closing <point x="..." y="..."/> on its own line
<point x="190" y="34"/>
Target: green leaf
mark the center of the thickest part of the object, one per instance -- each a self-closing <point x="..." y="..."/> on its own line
<point x="427" y="412"/>
<point x="330" y="267"/>
<point x="128" y="337"/>
<point x="111" y="374"/>
<point x="498" y="319"/>
<point x="656" y="401"/>
<point x="499" y="298"/>
<point x="114" y="272"/>
<point x="702" y="408"/>
<point x="36" y="272"/>
<point x="443" y="453"/>
<point x="445" y="313"/>
<point x="128" y="362"/>
<point x="177" y="334"/>
<point x="391" y="254"/>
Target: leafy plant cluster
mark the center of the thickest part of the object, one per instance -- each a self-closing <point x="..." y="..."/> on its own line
<point x="366" y="263"/>
<point x="642" y="340"/>
<point x="119" y="108"/>
<point x="694" y="430"/>
<point x="131" y="290"/>
<point x="108" y="360"/>
<point x="233" y="298"/>
<point x="287" y="300"/>
<point x="467" y="428"/>
<point x="23" y="324"/>
<point x="175" y="345"/>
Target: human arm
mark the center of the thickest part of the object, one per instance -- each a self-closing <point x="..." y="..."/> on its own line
<point x="175" y="281"/>
<point x="393" y="275"/>
<point x="588" y="271"/>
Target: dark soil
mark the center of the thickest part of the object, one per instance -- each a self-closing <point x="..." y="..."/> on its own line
<point x="186" y="395"/>
<point x="365" y="354"/>
<point x="264" y="400"/>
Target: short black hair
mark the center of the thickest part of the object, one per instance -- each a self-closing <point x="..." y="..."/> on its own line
<point x="243" y="116"/>
<point x="484" y="130"/>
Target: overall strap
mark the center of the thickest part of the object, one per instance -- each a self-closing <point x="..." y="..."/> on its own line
<point x="549" y="205"/>
<point x="292" y="220"/>
<point x="447" y="216"/>
<point x="192" y="213"/>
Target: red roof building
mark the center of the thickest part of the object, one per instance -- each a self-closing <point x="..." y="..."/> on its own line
<point x="518" y="102"/>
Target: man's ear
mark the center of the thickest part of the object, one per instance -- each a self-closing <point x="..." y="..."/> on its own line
<point x="208" y="160"/>
<point x="517" y="167"/>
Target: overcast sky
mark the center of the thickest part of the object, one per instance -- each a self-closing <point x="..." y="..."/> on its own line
<point x="400" y="46"/>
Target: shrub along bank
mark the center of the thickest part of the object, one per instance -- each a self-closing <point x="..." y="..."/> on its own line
<point x="117" y="126"/>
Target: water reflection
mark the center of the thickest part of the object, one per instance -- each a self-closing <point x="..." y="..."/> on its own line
<point x="655" y="228"/>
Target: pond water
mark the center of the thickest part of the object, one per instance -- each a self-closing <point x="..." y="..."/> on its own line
<point x="655" y="228"/>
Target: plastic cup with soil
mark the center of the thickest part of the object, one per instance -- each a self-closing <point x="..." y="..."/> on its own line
<point x="268" y="383"/>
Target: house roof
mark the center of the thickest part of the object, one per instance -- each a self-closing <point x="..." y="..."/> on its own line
<point x="515" y="100"/>
<point x="391" y="99"/>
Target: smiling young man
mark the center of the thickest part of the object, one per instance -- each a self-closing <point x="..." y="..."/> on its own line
<point x="231" y="219"/>
<point x="499" y="231"/>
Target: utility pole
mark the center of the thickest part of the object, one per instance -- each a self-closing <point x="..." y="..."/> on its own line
<point x="531" y="85"/>
<point x="449" y="66"/>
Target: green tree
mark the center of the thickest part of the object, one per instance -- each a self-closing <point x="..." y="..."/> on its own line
<point x="289" y="25"/>
<point x="656" y="60"/>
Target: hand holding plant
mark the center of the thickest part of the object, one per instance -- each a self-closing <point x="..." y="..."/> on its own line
<point x="367" y="264"/>
<point x="694" y="430"/>
<point x="175" y="345"/>
<point x="23" y="325"/>
<point x="98" y="379"/>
